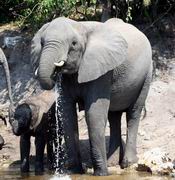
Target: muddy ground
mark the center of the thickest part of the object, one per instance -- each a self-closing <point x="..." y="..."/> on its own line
<point x="156" y="130"/>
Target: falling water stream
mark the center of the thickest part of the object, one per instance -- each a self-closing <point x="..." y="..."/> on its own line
<point x="58" y="147"/>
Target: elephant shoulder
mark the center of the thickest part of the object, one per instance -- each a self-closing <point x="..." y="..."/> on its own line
<point x="139" y="47"/>
<point x="127" y="30"/>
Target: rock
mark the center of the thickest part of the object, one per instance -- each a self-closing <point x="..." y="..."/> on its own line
<point x="157" y="162"/>
<point x="10" y="42"/>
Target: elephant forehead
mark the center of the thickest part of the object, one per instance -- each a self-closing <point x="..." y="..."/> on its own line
<point x="56" y="34"/>
<point x="59" y="36"/>
<point x="59" y="29"/>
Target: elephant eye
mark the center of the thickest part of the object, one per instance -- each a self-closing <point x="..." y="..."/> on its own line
<point x="74" y="43"/>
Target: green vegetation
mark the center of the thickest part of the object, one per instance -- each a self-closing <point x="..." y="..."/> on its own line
<point x="36" y="12"/>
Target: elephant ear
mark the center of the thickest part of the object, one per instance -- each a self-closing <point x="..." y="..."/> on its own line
<point x="105" y="50"/>
<point x="36" y="47"/>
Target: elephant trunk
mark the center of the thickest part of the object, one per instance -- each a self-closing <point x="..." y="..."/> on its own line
<point x="7" y="73"/>
<point x="3" y="60"/>
<point x="47" y="68"/>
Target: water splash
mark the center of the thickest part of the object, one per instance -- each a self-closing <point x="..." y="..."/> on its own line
<point x="58" y="148"/>
<point x="60" y="177"/>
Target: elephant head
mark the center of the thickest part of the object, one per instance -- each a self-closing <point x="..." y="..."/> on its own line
<point x="74" y="47"/>
<point x="22" y="119"/>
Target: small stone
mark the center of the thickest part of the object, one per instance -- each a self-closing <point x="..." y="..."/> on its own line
<point x="141" y="133"/>
<point x="156" y="161"/>
<point x="147" y="138"/>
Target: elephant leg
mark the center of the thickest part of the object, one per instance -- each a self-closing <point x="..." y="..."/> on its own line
<point x="133" y="117"/>
<point x="71" y="136"/>
<point x="50" y="138"/>
<point x="50" y="152"/>
<point x="115" y="152"/>
<point x="25" y="151"/>
<point x="96" y="110"/>
<point x="40" y="142"/>
<point x="96" y="118"/>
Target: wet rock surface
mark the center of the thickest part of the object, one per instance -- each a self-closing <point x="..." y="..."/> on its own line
<point x="157" y="162"/>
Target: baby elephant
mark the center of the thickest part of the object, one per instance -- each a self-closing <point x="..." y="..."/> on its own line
<point x="31" y="118"/>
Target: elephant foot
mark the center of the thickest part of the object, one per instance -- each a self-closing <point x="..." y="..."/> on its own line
<point x="39" y="168"/>
<point x="101" y="172"/>
<point x="75" y="170"/>
<point x="39" y="173"/>
<point x="25" y="175"/>
<point x="74" y="166"/>
<point x="128" y="161"/>
<point x="24" y="168"/>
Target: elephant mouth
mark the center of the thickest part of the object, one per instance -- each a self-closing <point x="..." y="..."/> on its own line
<point x="55" y="73"/>
<point x="68" y="70"/>
<point x="64" y="67"/>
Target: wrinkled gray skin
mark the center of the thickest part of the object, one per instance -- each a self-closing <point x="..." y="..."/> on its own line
<point x="108" y="67"/>
<point x="4" y="62"/>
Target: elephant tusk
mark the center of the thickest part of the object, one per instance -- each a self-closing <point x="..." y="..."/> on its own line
<point x="36" y="72"/>
<point x="60" y="64"/>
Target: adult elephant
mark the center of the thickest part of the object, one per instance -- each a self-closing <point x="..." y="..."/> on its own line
<point x="105" y="66"/>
